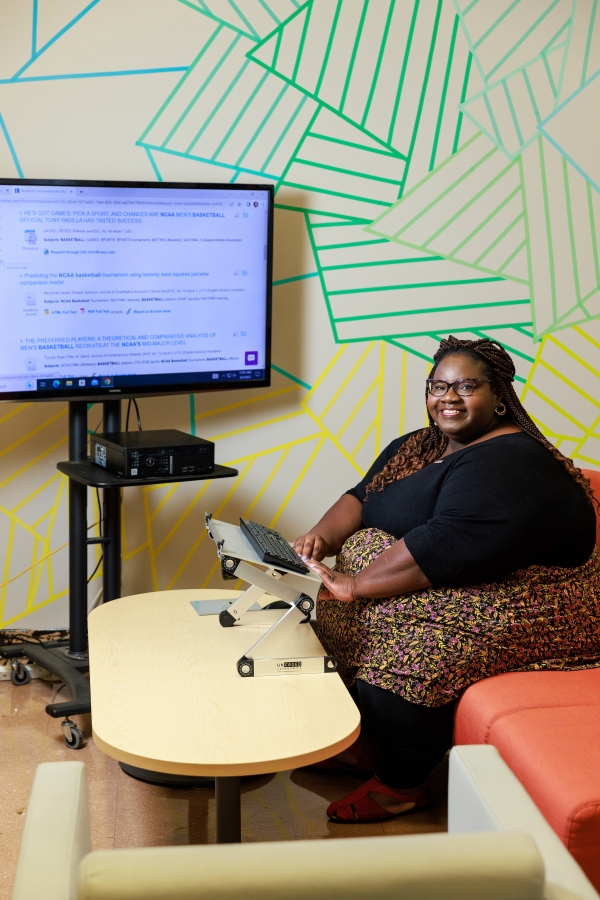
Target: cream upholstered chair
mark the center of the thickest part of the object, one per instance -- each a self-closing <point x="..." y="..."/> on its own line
<point x="484" y="795"/>
<point x="494" y="863"/>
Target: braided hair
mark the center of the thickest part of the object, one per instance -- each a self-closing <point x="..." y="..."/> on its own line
<point x="428" y="444"/>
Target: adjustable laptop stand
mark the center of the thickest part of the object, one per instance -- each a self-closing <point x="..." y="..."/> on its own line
<point x="239" y="557"/>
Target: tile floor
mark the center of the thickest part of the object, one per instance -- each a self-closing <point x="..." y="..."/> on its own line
<point x="126" y="812"/>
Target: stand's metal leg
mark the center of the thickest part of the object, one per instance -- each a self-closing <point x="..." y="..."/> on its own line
<point x="228" y="802"/>
<point x="112" y="516"/>
<point x="78" y="642"/>
<point x="112" y="550"/>
<point x="69" y="659"/>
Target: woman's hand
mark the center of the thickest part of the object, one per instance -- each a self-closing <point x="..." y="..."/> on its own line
<point x="336" y="585"/>
<point x="311" y="546"/>
<point x="328" y="535"/>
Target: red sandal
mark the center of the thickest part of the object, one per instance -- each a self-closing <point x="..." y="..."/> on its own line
<point x="358" y="806"/>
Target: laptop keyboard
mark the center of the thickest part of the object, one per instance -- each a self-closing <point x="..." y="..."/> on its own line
<point x="272" y="547"/>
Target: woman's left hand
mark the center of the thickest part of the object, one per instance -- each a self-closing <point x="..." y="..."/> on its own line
<point x="336" y="585"/>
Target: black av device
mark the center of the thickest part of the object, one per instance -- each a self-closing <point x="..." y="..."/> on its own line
<point x="150" y="454"/>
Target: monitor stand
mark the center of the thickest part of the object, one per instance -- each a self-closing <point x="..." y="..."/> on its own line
<point x="69" y="660"/>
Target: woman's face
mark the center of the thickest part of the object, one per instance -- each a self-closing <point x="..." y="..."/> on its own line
<point x="463" y="419"/>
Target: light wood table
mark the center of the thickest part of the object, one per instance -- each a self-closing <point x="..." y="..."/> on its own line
<point x="166" y="696"/>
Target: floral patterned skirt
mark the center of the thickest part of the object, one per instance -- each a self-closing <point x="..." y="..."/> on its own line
<point x="429" y="646"/>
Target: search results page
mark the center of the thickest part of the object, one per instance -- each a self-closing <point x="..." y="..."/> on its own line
<point x="105" y="287"/>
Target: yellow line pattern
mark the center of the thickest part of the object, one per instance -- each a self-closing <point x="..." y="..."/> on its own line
<point x="297" y="482"/>
<point x="281" y="437"/>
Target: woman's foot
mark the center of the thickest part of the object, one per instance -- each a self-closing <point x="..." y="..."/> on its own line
<point x="374" y="801"/>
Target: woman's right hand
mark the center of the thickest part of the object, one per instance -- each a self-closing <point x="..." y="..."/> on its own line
<point x="338" y="523"/>
<point x="311" y="546"/>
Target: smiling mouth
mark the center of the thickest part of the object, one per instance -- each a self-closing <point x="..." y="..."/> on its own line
<point x="450" y="412"/>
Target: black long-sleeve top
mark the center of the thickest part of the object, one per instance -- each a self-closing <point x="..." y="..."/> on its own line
<point x="484" y="511"/>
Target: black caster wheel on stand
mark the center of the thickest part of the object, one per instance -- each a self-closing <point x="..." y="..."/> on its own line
<point x="72" y="735"/>
<point x="19" y="674"/>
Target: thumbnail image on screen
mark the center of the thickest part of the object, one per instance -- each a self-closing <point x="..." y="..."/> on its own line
<point x="133" y="288"/>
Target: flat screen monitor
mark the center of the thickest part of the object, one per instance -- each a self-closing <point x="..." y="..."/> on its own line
<point x="120" y="289"/>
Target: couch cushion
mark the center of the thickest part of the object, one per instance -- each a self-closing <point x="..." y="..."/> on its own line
<point x="486" y="702"/>
<point x="555" y="754"/>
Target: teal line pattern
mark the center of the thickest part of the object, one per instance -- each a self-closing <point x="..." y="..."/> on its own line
<point x="193" y="414"/>
<point x="444" y="91"/>
<point x="209" y="15"/>
<point x="178" y="87"/>
<point x="494" y="110"/>
<point x="570" y="159"/>
<point x="360" y="181"/>
<point x="486" y="57"/>
<point x="368" y="283"/>
<point x="589" y="40"/>
<point x="34" y="22"/>
<point x="350" y="108"/>
<point x="221" y="110"/>
<point x="291" y="377"/>
<point x="462" y="100"/>
<point x="554" y="143"/>
<point x="383" y="120"/>
<point x="528" y="82"/>
<point x="523" y="37"/>
<point x="340" y="157"/>
<point x="295" y="278"/>
<point x="411" y="312"/>
<point x="476" y="191"/>
<point x="417" y="284"/>
<point x="425" y="345"/>
<point x="56" y="37"/>
<point x="526" y="331"/>
<point x="153" y="164"/>
<point x="107" y="74"/>
<point x="212" y="162"/>
<point x="407" y="336"/>
<point x="249" y="32"/>
<point x="350" y="220"/>
<point x="253" y="19"/>
<point x="512" y="350"/>
<point x="404" y="346"/>
<point x="11" y="148"/>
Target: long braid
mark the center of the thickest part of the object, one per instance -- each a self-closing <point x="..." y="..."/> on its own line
<point x="425" y="446"/>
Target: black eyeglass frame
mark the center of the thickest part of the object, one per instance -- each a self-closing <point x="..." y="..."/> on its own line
<point x="473" y="381"/>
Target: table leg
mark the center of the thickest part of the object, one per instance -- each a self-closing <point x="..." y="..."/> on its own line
<point x="229" y="824"/>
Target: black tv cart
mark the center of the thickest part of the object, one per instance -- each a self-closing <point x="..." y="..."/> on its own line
<point x="69" y="660"/>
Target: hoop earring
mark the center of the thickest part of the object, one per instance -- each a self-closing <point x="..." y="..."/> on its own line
<point x="500" y="412"/>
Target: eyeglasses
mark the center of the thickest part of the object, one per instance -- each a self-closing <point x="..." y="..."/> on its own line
<point x="464" y="387"/>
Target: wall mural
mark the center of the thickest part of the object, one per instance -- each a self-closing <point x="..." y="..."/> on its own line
<point x="435" y="171"/>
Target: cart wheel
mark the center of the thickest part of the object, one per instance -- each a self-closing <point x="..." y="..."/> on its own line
<point x="72" y="735"/>
<point x="75" y="741"/>
<point x="20" y="674"/>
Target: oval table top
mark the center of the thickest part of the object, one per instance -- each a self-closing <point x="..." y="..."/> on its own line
<point x="166" y="694"/>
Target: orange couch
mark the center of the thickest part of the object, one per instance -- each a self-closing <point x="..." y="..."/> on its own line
<point x="546" y="727"/>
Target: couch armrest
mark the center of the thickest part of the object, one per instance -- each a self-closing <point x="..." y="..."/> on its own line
<point x="415" y="867"/>
<point x="56" y="836"/>
<point x="484" y="795"/>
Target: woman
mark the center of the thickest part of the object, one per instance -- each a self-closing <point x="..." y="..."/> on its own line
<point x="466" y="551"/>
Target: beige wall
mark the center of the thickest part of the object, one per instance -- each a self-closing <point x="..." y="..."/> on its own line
<point x="463" y="131"/>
